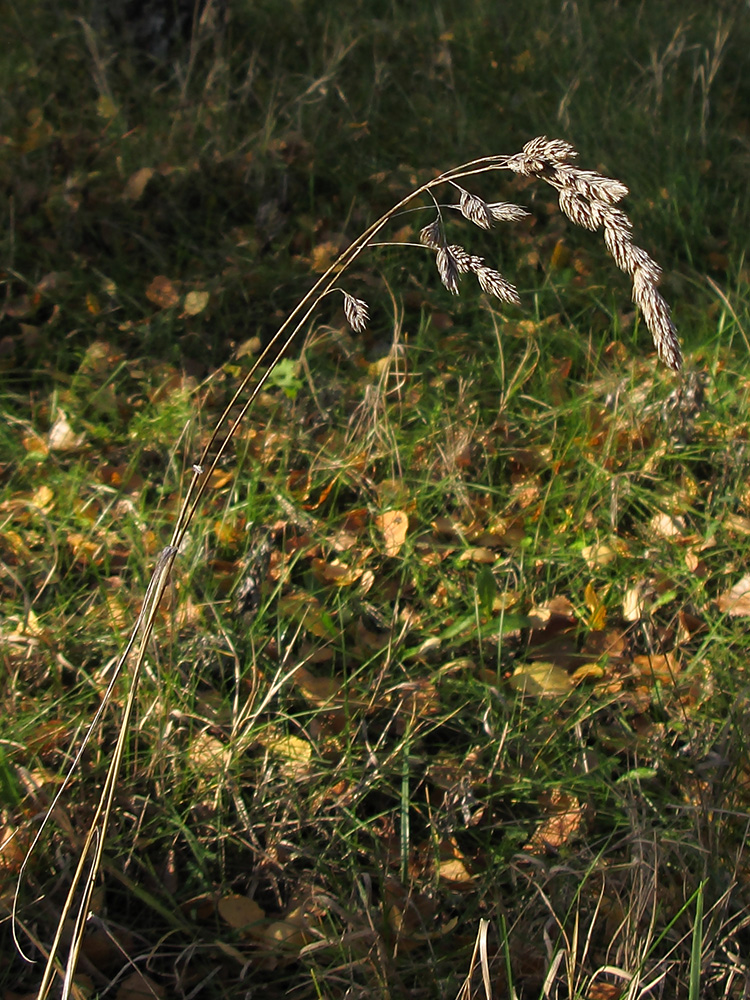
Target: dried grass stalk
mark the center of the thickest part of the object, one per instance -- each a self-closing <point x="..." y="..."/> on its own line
<point x="587" y="198"/>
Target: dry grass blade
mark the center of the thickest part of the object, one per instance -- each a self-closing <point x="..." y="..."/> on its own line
<point x="480" y="948"/>
<point x="543" y="157"/>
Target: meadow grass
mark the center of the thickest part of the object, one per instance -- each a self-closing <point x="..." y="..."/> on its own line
<point x="352" y="748"/>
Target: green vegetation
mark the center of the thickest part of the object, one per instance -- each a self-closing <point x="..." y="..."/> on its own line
<point x="459" y="631"/>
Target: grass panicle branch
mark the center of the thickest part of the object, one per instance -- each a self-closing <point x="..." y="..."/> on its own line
<point x="586" y="198"/>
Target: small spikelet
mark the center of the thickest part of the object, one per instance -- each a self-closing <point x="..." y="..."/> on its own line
<point x="493" y="283"/>
<point x="432" y="236"/>
<point x="619" y="244"/>
<point x="505" y="211"/>
<point x="475" y="209"/>
<point x="356" y="312"/>
<point x="448" y="268"/>
<point x="465" y="262"/>
<point x="541" y="154"/>
<point x="579" y="210"/>
<point x="589" y="183"/>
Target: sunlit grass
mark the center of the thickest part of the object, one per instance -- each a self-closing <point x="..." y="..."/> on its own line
<point x="372" y="750"/>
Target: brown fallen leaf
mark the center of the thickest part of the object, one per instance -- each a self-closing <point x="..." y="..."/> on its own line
<point x="162" y="292"/>
<point x="566" y="815"/>
<point x="662" y="667"/>
<point x="336" y="572"/>
<point x="139" y="986"/>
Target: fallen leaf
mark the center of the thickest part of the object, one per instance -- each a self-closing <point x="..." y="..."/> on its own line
<point x="394" y="524"/>
<point x="286" y="935"/>
<point x="318" y="690"/>
<point x="455" y="873"/>
<point x="195" y="302"/>
<point x="208" y="754"/>
<point x="162" y="292"/>
<point x="62" y="437"/>
<point x="604" y="991"/>
<point x="543" y="680"/>
<point x="634" y="603"/>
<point x="736" y="602"/>
<point x="740" y="525"/>
<point x="241" y="913"/>
<point x="595" y="605"/>
<point x="478" y="554"/>
<point x="600" y="554"/>
<point x="667" y="526"/>
<point x="563" y="823"/>
<point x="136" y="183"/>
<point x="336" y="572"/>
<point x="295" y="753"/>
<point x="662" y="667"/>
<point x="324" y="255"/>
<point x="304" y="608"/>
<point x="139" y="986"/>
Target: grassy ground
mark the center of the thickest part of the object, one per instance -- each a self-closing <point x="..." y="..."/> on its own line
<point x="460" y="630"/>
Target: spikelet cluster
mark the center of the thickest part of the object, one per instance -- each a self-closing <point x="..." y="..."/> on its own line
<point x="453" y="260"/>
<point x="590" y="200"/>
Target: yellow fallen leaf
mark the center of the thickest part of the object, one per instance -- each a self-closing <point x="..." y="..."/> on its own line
<point x="285" y="935"/>
<point x="738" y="524"/>
<point x="207" y="754"/>
<point x="543" y="680"/>
<point x="394" y="524"/>
<point x="295" y="753"/>
<point x="478" y="554"/>
<point x="242" y="913"/>
<point x="454" y="871"/>
<point x="195" y="302"/>
<point x="596" y="608"/>
<point x="600" y="554"/>
<point x="136" y="183"/>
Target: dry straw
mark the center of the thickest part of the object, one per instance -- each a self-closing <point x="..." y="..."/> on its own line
<point x="587" y="198"/>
